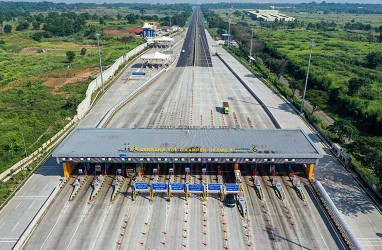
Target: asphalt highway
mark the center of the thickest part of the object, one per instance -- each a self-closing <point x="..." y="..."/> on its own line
<point x="191" y="96"/>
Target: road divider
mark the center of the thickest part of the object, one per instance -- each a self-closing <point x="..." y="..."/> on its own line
<point x="97" y="185"/>
<point x="77" y="185"/>
<point x="117" y="183"/>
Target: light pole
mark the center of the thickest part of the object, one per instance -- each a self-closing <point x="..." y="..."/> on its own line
<point x="307" y="75"/>
<point x="250" y="49"/>
<point x="229" y="30"/>
<point x="100" y="59"/>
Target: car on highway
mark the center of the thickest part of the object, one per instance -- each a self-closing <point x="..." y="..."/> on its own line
<point x="183" y="51"/>
<point x="230" y="200"/>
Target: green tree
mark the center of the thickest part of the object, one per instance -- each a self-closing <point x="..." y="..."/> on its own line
<point x="119" y="16"/>
<point x="131" y="18"/>
<point x="102" y="21"/>
<point x="317" y="98"/>
<point x="356" y="83"/>
<point x="7" y="28"/>
<point x="295" y="85"/>
<point x="70" y="55"/>
<point x="374" y="59"/>
<point x="22" y="26"/>
<point x="345" y="130"/>
<point x="83" y="51"/>
<point x="126" y="39"/>
<point x="36" y="25"/>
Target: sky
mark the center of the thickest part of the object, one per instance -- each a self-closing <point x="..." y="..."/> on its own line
<point x="201" y="1"/>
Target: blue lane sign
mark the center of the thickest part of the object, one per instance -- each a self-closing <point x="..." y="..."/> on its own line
<point x="141" y="186"/>
<point x="138" y="73"/>
<point x="195" y="188"/>
<point x="159" y="186"/>
<point x="176" y="187"/>
<point x="122" y="155"/>
<point x="232" y="187"/>
<point x="214" y="187"/>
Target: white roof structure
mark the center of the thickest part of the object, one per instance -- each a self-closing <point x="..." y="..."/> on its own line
<point x="163" y="39"/>
<point x="157" y="56"/>
<point x="188" y="145"/>
<point x="148" y="26"/>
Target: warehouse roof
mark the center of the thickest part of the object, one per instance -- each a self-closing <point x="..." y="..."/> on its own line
<point x="220" y="145"/>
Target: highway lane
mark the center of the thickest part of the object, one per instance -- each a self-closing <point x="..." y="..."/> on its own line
<point x="16" y="216"/>
<point x="193" y="97"/>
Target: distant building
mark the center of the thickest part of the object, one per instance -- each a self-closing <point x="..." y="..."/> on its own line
<point x="174" y="28"/>
<point x="166" y="28"/>
<point x="149" y="29"/>
<point x="270" y="15"/>
<point x="226" y="36"/>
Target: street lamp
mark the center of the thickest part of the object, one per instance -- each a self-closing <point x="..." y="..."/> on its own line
<point x="250" y="49"/>
<point x="307" y="74"/>
<point x="229" y="30"/>
<point x="98" y="34"/>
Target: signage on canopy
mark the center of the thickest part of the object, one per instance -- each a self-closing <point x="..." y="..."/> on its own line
<point x="137" y="149"/>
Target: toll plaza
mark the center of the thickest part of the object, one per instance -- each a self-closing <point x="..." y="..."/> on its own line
<point x="151" y="152"/>
<point x="98" y="149"/>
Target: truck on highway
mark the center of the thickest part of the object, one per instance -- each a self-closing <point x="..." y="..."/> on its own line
<point x="225" y="107"/>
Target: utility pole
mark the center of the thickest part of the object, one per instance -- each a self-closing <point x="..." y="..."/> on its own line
<point x="250" y="49"/>
<point x="100" y="59"/>
<point x="229" y="29"/>
<point x="307" y="75"/>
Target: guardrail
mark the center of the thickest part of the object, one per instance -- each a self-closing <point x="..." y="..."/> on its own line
<point x="267" y="111"/>
<point x="337" y="218"/>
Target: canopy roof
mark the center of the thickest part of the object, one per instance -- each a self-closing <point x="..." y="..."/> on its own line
<point x="188" y="145"/>
<point x="163" y="39"/>
<point x="157" y="56"/>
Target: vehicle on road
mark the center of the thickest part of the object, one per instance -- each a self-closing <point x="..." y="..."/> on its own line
<point x="183" y="51"/>
<point x="230" y="200"/>
<point x="225" y="107"/>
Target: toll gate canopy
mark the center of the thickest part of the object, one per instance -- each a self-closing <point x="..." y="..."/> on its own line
<point x="97" y="145"/>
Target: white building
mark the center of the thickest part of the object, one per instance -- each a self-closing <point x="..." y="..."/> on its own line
<point x="270" y="15"/>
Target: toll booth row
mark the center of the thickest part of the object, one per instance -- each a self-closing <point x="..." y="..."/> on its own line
<point x="130" y="169"/>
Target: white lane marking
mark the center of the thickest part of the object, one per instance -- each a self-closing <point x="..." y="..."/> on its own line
<point x="369" y="238"/>
<point x="33" y="187"/>
<point x="30" y="196"/>
<point x="55" y="224"/>
<point x="8" y="241"/>
<point x="84" y="212"/>
<point x="2" y="225"/>
<point x="44" y="187"/>
<point x="31" y="204"/>
<point x="15" y="226"/>
<point x="18" y="205"/>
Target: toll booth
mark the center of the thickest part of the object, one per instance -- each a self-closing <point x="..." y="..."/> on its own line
<point x="127" y="149"/>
